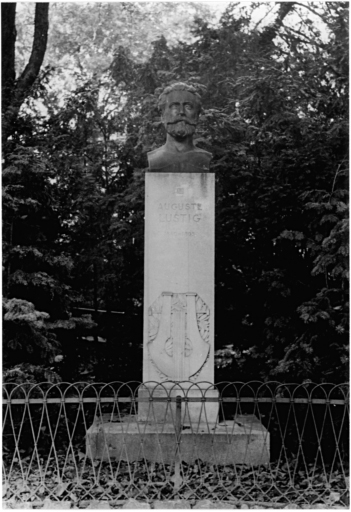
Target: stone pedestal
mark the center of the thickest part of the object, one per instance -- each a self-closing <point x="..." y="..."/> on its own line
<point x="242" y="441"/>
<point x="179" y="284"/>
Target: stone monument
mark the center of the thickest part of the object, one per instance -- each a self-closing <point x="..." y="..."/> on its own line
<point x="178" y="344"/>
<point x="179" y="262"/>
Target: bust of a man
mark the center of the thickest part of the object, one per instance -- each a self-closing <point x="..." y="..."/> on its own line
<point x="180" y="106"/>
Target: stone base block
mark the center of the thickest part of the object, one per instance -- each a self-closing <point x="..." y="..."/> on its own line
<point x="241" y="441"/>
<point x="193" y="413"/>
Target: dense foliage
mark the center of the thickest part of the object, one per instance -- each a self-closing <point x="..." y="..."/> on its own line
<point x="275" y="98"/>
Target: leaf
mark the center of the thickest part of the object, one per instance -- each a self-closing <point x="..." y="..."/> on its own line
<point x="81" y="455"/>
<point x="61" y="488"/>
<point x="334" y="497"/>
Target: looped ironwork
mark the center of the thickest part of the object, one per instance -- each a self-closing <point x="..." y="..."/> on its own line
<point x="50" y="451"/>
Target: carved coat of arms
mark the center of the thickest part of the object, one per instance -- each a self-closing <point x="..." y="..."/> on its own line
<point x="179" y="335"/>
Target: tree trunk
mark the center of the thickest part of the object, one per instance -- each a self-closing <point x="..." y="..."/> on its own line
<point x="15" y="93"/>
<point x="8" y="40"/>
<point x="271" y="31"/>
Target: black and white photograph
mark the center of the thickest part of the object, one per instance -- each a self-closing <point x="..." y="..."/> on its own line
<point x="175" y="254"/>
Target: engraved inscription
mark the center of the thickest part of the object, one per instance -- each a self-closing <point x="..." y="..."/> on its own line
<point x="180" y="233"/>
<point x="179" y="217"/>
<point x="189" y="207"/>
<point x="179" y="212"/>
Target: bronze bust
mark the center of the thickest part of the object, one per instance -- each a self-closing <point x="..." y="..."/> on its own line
<point x="180" y="106"/>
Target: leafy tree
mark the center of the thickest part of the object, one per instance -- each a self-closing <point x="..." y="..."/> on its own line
<point x="36" y="270"/>
<point x="85" y="38"/>
<point x="275" y="97"/>
<point x="275" y="121"/>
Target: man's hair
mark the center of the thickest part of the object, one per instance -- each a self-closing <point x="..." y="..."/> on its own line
<point x="179" y="86"/>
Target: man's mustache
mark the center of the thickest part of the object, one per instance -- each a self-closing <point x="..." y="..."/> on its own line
<point x="181" y="120"/>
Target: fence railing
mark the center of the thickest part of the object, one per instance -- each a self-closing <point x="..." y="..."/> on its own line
<point x="263" y="443"/>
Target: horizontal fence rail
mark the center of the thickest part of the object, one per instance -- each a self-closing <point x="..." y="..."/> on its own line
<point x="256" y="443"/>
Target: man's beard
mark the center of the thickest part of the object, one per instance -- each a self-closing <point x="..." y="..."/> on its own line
<point x="180" y="129"/>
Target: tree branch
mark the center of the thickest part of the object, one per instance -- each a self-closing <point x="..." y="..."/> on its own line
<point x="31" y="71"/>
<point x="314" y="12"/>
<point x="265" y="16"/>
<point x="306" y="39"/>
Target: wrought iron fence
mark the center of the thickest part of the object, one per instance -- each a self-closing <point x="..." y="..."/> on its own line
<point x="270" y="443"/>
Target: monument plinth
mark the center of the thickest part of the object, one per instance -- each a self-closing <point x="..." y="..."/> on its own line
<point x="179" y="285"/>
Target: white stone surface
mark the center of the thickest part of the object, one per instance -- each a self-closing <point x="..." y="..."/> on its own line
<point x="136" y="504"/>
<point x="177" y="504"/>
<point x="242" y="441"/>
<point x="208" y="504"/>
<point x="179" y="277"/>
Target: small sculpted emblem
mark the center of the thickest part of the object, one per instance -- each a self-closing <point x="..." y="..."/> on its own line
<point x="179" y="335"/>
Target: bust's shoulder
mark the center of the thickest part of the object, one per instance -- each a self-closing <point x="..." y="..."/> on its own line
<point x="158" y="156"/>
<point x="163" y="150"/>
<point x="158" y="151"/>
<point x="163" y="158"/>
<point x="155" y="151"/>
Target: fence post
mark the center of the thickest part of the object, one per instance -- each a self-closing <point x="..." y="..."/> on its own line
<point x="178" y="419"/>
<point x="177" y="479"/>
